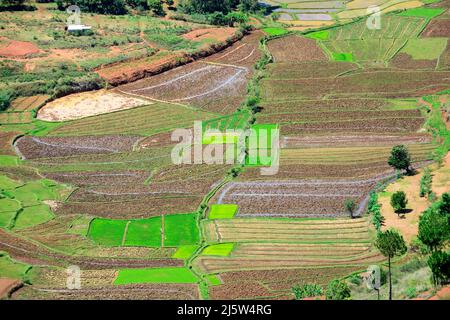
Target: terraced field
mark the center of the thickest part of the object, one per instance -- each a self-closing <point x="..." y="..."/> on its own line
<point x="99" y="189"/>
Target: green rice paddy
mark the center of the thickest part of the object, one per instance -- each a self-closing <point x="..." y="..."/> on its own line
<point x="223" y="211"/>
<point x="222" y="250"/>
<point x="155" y="275"/>
<point x="179" y="230"/>
<point x="274" y="31"/>
<point x="428" y="13"/>
<point x="184" y="252"/>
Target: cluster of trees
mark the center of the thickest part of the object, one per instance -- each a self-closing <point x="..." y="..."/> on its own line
<point x="6" y="97"/>
<point x="222" y="6"/>
<point x="15" y="5"/>
<point x="116" y="7"/>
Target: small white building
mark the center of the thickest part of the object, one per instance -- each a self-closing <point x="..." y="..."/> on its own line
<point x="78" y="28"/>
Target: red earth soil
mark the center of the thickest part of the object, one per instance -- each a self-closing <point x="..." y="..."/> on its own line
<point x="7" y="285"/>
<point x="18" y="49"/>
<point x="218" y="34"/>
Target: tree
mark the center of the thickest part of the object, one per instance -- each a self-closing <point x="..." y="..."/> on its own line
<point x="439" y="263"/>
<point x="338" y="290"/>
<point x="249" y="5"/>
<point x="307" y="291"/>
<point x="443" y="206"/>
<point x="400" y="158"/>
<point x="205" y="6"/>
<point x="399" y="201"/>
<point x="5" y="99"/>
<point x="350" y="206"/>
<point x="391" y="244"/>
<point x="96" y="6"/>
<point x="156" y="6"/>
<point x="433" y="229"/>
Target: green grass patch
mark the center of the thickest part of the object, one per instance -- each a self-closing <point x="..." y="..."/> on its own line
<point x="107" y="232"/>
<point x="9" y="161"/>
<point x="9" y="205"/>
<point x="184" y="252"/>
<point x="6" y="218"/>
<point x="275" y="31"/>
<point x="180" y="230"/>
<point x="428" y="13"/>
<point x="222" y="250"/>
<point x="260" y="149"/>
<point x="319" y="35"/>
<point x="144" y="233"/>
<point x="347" y="57"/>
<point x="213" y="280"/>
<point x="425" y="48"/>
<point x="223" y="211"/>
<point x="12" y="269"/>
<point x="31" y="216"/>
<point x="7" y="183"/>
<point x="398" y="105"/>
<point x="155" y="275"/>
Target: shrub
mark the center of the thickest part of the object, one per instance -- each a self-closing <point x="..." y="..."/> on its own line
<point x="411" y="292"/>
<point x="6" y="96"/>
<point x="439" y="263"/>
<point x="399" y="201"/>
<point x="425" y="183"/>
<point x="307" y="291"/>
<point x="338" y="290"/>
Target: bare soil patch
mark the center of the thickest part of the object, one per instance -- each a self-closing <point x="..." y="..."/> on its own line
<point x="16" y="49"/>
<point x="86" y="104"/>
<point x="408" y="224"/>
<point x="295" y="49"/>
<point x="404" y="61"/>
<point x="437" y="28"/>
<point x="216" y="34"/>
<point x="51" y="147"/>
<point x="8" y="285"/>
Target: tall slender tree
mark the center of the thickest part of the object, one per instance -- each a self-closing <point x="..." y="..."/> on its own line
<point x="391" y="244"/>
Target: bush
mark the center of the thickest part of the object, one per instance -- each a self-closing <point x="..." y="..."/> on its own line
<point x="307" y="291"/>
<point x="425" y="183"/>
<point x="6" y="96"/>
<point x="399" y="201"/>
<point x="338" y="290"/>
<point x="439" y="263"/>
<point x="411" y="292"/>
<point x="374" y="208"/>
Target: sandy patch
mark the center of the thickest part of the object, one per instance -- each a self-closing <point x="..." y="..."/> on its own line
<point x="18" y="49"/>
<point x="7" y="285"/>
<point x="87" y="104"/>
<point x="217" y="34"/>
<point x="408" y="224"/>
